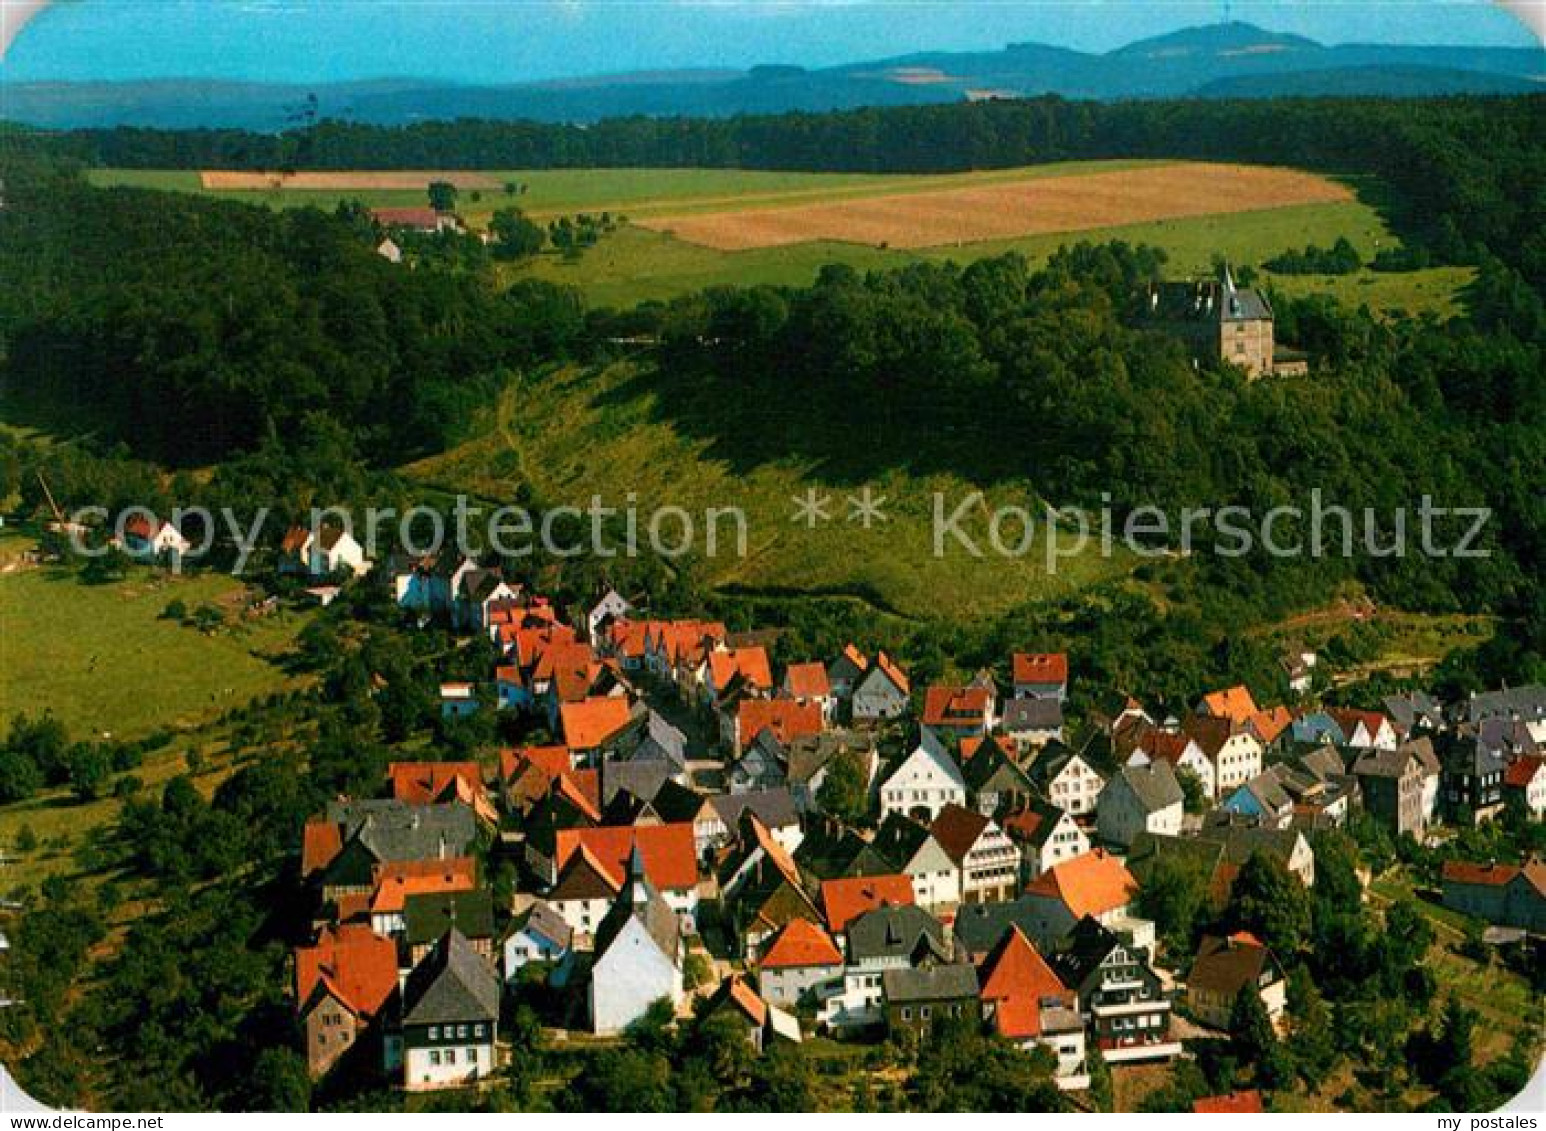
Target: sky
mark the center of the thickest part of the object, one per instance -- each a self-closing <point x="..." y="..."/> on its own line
<point x="495" y="41"/>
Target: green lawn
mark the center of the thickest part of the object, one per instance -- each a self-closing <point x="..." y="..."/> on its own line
<point x="573" y="434"/>
<point x="102" y="659"/>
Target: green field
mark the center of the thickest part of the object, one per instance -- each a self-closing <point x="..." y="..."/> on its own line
<point x="634" y="265"/>
<point x="552" y="427"/>
<point x="634" y="192"/>
<point x="105" y="662"/>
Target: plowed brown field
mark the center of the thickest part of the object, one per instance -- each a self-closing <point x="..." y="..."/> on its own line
<point x="1002" y="211"/>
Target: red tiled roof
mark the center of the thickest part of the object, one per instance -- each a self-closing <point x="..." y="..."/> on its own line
<point x="855" y="657"/>
<point x="1270" y="723"/>
<point x="787" y="719"/>
<point x="591" y="722"/>
<point x="320" y="842"/>
<point x="1521" y="771"/>
<point x="395" y="882"/>
<point x="807" y="681"/>
<point x="358" y="967"/>
<point x="424" y="783"/>
<point x="801" y="943"/>
<point x="1092" y="884"/>
<point x="844" y="900"/>
<point x="1022" y="824"/>
<point x="1233" y="703"/>
<point x="1162" y="746"/>
<point x="1235" y="1103"/>
<point x="669" y="851"/>
<point x="955" y="706"/>
<point x="740" y="994"/>
<point x="893" y="673"/>
<point x="1041" y="667"/>
<point x="751" y="664"/>
<point x="551" y="760"/>
<point x="1490" y="875"/>
<point x="1018" y="979"/>
<point x="972" y="745"/>
<point x="1348" y="719"/>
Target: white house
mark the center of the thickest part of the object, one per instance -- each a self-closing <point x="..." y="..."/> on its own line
<point x="538" y="934"/>
<point x="1140" y="799"/>
<point x="800" y="961"/>
<point x="985" y="858"/>
<point x="925" y="782"/>
<point x="321" y="553"/>
<point x="1066" y="779"/>
<point x="612" y="606"/>
<point x="153" y="540"/>
<point x="450" y="1012"/>
<point x="638" y="956"/>
<point x="1181" y="752"/>
<point x="915" y="853"/>
<point x="1235" y="752"/>
<point x="1047" y="836"/>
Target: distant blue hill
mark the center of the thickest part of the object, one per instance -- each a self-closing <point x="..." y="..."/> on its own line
<point x="1233" y="60"/>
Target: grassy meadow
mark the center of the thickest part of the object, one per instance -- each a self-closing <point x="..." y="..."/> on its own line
<point x="552" y="425"/>
<point x="105" y="661"/>
<point x="634" y="264"/>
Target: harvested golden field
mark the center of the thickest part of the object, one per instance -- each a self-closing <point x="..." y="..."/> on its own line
<point x="1003" y="211"/>
<point x="400" y="179"/>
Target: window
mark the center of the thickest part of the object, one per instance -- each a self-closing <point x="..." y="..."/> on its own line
<point x="434" y="1032"/>
<point x="434" y="1058"/>
<point x="907" y="1013"/>
<point x="450" y="1056"/>
<point x="477" y="1030"/>
<point x="461" y="1032"/>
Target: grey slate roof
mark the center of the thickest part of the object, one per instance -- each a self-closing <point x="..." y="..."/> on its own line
<point x="642" y="778"/>
<point x="453" y="983"/>
<point x="896" y="932"/>
<point x="1241" y="842"/>
<point x="1408" y="711"/>
<point x="430" y="915"/>
<point x="1528" y="702"/>
<point x="932" y="983"/>
<point x="775" y="808"/>
<point x="1031" y="714"/>
<point x="540" y="919"/>
<point x="650" y="737"/>
<point x="979" y="927"/>
<point x="1323" y="763"/>
<point x="393" y="831"/>
<point x="1155" y="785"/>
